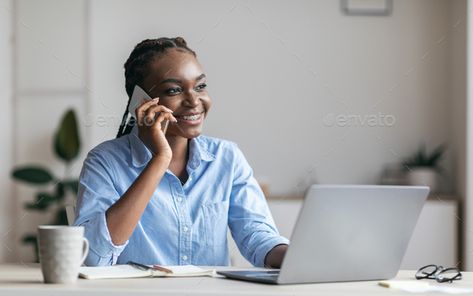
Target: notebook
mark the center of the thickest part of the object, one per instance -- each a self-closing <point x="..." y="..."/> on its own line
<point x="127" y="271"/>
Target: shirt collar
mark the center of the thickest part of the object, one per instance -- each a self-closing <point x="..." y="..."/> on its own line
<point x="141" y="155"/>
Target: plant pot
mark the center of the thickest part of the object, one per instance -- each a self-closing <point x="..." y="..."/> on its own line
<point x="423" y="176"/>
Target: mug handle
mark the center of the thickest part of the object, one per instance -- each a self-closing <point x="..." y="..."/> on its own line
<point x="85" y="251"/>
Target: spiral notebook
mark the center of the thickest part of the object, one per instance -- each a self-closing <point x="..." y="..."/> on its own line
<point x="127" y="271"/>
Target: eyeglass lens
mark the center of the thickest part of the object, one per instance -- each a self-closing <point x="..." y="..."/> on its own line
<point x="438" y="273"/>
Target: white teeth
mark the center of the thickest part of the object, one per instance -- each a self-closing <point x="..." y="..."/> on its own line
<point x="192" y="117"/>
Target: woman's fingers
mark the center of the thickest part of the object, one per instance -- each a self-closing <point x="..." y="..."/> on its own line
<point x="140" y="112"/>
<point x="162" y="119"/>
<point x="152" y="113"/>
<point x="155" y="114"/>
<point x="165" y="116"/>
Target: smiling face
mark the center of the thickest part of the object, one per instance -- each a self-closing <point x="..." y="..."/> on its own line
<point x="176" y="77"/>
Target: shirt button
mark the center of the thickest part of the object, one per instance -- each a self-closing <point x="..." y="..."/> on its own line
<point x="179" y="199"/>
<point x="184" y="257"/>
<point x="185" y="228"/>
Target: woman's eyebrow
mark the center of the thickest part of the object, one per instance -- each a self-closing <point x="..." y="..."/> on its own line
<point x="175" y="80"/>
<point x="201" y="76"/>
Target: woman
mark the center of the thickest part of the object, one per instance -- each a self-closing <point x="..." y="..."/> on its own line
<point x="168" y="198"/>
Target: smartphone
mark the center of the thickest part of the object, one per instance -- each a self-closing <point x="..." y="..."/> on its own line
<point x="138" y="96"/>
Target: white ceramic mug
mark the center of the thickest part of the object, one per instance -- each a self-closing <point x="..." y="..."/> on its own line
<point x="62" y="250"/>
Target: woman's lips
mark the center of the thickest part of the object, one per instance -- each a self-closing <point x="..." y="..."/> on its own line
<point x="194" y="119"/>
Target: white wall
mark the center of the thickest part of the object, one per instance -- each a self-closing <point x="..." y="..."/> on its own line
<point x="7" y="245"/>
<point x="279" y="70"/>
<point x="51" y="74"/>
<point x="468" y="210"/>
<point x="457" y="47"/>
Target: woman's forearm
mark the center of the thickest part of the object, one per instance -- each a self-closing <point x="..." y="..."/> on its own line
<point x="123" y="216"/>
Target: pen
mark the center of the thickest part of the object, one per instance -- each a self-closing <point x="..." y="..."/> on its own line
<point x="139" y="265"/>
<point x="160" y="268"/>
<point x="146" y="267"/>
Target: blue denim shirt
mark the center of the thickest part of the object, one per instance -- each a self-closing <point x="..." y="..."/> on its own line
<point x="182" y="224"/>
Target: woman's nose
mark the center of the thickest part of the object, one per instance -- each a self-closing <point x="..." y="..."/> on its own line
<point x="192" y="99"/>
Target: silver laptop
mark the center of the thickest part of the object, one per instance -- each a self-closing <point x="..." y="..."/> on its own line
<point x="347" y="233"/>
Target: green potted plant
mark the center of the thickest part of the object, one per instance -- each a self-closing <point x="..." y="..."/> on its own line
<point x="423" y="167"/>
<point x="66" y="146"/>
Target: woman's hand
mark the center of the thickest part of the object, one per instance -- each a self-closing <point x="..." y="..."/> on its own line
<point x="149" y="127"/>
<point x="275" y="257"/>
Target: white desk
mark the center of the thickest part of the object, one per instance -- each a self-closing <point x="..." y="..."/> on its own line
<point x="27" y="280"/>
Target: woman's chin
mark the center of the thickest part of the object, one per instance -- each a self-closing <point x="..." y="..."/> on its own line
<point x="194" y="133"/>
<point x="188" y="133"/>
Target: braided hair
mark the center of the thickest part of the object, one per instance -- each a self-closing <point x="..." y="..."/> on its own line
<point x="137" y="68"/>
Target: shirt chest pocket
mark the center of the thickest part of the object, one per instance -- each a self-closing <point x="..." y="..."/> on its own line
<point x="215" y="221"/>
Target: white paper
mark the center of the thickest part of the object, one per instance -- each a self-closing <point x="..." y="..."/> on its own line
<point x="424" y="287"/>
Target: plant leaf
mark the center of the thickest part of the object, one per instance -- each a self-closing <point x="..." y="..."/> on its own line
<point x="60" y="190"/>
<point x="33" y="175"/>
<point x="61" y="217"/>
<point x="423" y="159"/>
<point x="66" y="140"/>
<point x="72" y="185"/>
<point x="33" y="240"/>
<point x="43" y="201"/>
<point x="436" y="155"/>
<point x="30" y="239"/>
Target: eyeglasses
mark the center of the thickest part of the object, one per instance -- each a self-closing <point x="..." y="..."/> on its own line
<point x="439" y="273"/>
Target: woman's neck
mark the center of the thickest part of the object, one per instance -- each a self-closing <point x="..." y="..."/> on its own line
<point x="179" y="147"/>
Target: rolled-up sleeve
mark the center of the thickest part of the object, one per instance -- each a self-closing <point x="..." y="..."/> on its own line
<point x="96" y="194"/>
<point x="250" y="220"/>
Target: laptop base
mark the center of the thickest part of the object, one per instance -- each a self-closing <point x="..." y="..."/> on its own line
<point x="266" y="277"/>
